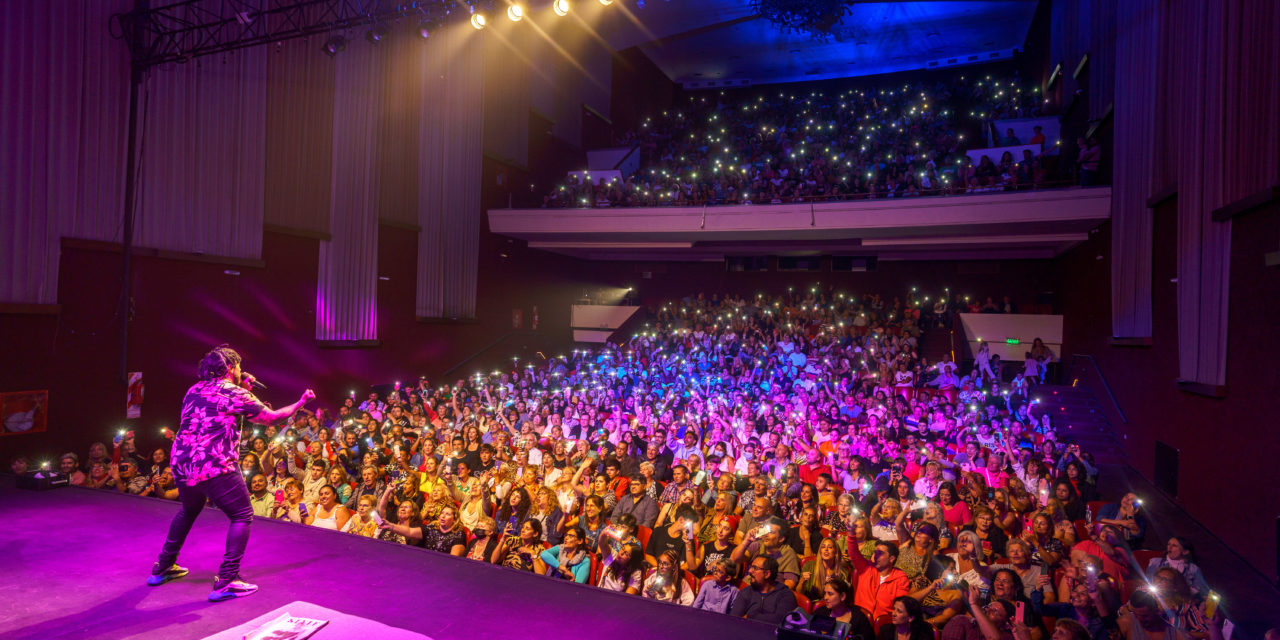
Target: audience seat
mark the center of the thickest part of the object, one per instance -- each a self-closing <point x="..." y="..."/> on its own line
<point x="1143" y="557"/>
<point x="881" y="620"/>
<point x="1082" y="530"/>
<point x="642" y="534"/>
<point x="802" y="601"/>
<point x="1093" y="507"/>
<point x="593" y="578"/>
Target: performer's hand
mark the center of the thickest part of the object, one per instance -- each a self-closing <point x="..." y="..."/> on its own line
<point x="307" y="396"/>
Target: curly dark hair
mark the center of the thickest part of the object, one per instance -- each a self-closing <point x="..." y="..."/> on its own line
<point x="218" y="362"/>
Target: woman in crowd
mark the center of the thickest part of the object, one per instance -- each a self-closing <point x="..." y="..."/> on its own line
<point x="837" y="603"/>
<point x="591" y="521"/>
<point x="99" y="476"/>
<point x="435" y="503"/>
<point x="475" y="508"/>
<point x="1077" y="476"/>
<point x="1072" y="507"/>
<point x="666" y="582"/>
<point x="401" y="526"/>
<point x="1180" y="556"/>
<point x="828" y="564"/>
<point x="666" y="516"/>
<point x="569" y="560"/>
<point x="513" y="512"/>
<point x="834" y="519"/>
<point x="341" y="483"/>
<point x="970" y="560"/>
<point x="364" y="522"/>
<point x="724" y="506"/>
<point x="954" y="510"/>
<point x="1045" y="548"/>
<point x="1086" y="607"/>
<point x="624" y="571"/>
<point x="990" y="537"/>
<point x="481" y="548"/>
<point x="429" y="475"/>
<point x="289" y="504"/>
<point x="328" y="513"/>
<point x="518" y="552"/>
<point x="1179" y="603"/>
<point x="859" y="529"/>
<point x="906" y="622"/>
<point x="279" y="475"/>
<point x="446" y="535"/>
<point x="1004" y="518"/>
<point x="551" y="520"/>
<point x="885" y="516"/>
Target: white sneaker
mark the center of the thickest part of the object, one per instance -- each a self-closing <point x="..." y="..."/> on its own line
<point x="234" y="588"/>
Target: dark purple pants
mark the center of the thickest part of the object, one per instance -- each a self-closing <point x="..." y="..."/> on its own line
<point x="227" y="492"/>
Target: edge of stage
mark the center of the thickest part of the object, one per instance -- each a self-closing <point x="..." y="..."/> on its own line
<point x="75" y="561"/>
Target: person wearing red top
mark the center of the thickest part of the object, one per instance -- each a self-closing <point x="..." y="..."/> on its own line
<point x="878" y="582"/>
<point x="1108" y="545"/>
<point x="813" y="467"/>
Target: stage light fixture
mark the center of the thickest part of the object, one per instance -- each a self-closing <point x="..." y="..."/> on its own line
<point x="515" y="13"/>
<point x="561" y="7"/>
<point x="334" y="45"/>
<point x="426" y="27"/>
<point x="477" y="21"/>
<point x="376" y="33"/>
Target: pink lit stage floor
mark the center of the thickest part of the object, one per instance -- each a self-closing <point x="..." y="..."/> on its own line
<point x="74" y="562"/>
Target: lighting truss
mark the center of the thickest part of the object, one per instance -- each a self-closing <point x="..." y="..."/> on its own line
<point x="181" y="31"/>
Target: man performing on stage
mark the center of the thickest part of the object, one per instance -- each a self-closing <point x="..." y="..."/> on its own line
<point x="205" y="465"/>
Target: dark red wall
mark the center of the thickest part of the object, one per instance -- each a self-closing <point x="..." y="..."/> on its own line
<point x="1228" y="446"/>
<point x="182" y="308"/>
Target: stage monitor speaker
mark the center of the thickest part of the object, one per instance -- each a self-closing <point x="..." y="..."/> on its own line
<point x="42" y="480"/>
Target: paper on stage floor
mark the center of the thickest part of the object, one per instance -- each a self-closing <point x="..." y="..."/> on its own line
<point x="286" y="627"/>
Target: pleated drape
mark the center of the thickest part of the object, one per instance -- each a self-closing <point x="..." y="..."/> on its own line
<point x="346" y="293"/>
<point x="64" y="95"/>
<point x="202" y="156"/>
<point x="450" y="138"/>
<point x="299" y="136"/>
<point x="1227" y="63"/>
<point x="1136" y="55"/>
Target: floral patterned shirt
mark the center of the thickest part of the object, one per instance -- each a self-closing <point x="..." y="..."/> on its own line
<point x="208" y="439"/>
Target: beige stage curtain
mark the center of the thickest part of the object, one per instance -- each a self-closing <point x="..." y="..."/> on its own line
<point x="1136" y="55"/>
<point x="202" y="156"/>
<point x="65" y="95"/>
<point x="450" y="138"/>
<point x="1224" y="55"/>
<point x="299" y="135"/>
<point x="346" y="291"/>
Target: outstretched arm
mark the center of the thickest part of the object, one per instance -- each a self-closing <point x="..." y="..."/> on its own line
<point x="270" y="416"/>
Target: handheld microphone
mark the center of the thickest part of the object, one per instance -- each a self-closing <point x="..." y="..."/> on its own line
<point x="253" y="380"/>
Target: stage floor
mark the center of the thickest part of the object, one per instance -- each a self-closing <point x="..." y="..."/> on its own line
<point x="74" y="562"/>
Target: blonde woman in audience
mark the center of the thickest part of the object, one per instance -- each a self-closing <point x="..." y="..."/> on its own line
<point x="436" y="503"/>
<point x="366" y="519"/>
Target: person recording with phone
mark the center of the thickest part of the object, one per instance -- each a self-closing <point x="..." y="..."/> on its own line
<point x="206" y="465"/>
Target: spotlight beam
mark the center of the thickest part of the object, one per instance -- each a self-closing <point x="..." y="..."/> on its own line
<point x="561" y="50"/>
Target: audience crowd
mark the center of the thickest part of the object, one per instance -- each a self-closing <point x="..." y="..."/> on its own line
<point x="743" y="456"/>
<point x="894" y="141"/>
